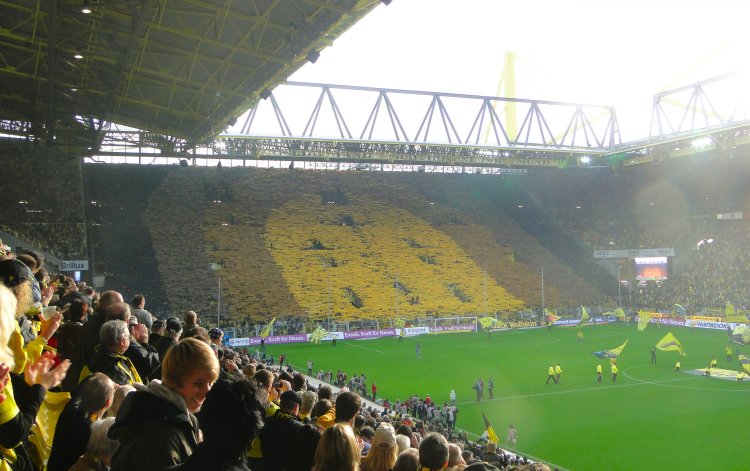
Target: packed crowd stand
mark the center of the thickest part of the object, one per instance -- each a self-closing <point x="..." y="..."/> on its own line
<point x="624" y="212"/>
<point x="715" y="274"/>
<point x="621" y="211"/>
<point x="165" y="394"/>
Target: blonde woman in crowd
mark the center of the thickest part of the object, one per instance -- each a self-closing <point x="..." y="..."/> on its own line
<point x="384" y="451"/>
<point x="337" y="450"/>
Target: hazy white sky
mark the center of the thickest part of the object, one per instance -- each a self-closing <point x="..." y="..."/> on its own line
<point x="602" y="52"/>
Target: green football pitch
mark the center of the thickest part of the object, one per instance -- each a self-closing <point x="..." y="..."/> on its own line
<point x="651" y="418"/>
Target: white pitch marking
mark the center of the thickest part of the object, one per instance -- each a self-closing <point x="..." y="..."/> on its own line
<point x="363" y="348"/>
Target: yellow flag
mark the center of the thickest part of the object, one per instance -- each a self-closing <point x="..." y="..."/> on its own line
<point x="616" y="351"/>
<point x="619" y="313"/>
<point x="488" y="322"/>
<point x="643" y="319"/>
<point x="491" y="435"/>
<point x="670" y="344"/>
<point x="267" y="329"/>
<point x="584" y="316"/>
<point x="318" y="334"/>
<point x="744" y="363"/>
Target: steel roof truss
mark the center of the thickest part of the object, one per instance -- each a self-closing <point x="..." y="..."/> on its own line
<point x="487" y="110"/>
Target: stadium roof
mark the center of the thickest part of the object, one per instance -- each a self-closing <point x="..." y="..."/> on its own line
<point x="184" y="68"/>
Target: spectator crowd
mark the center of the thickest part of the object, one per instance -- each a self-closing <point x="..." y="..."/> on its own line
<point x="142" y="392"/>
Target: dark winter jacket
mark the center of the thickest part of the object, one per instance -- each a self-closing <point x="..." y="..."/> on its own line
<point x="155" y="430"/>
<point x="277" y="439"/>
<point x="117" y="367"/>
<point x="207" y="459"/>
<point x="71" y="436"/>
<point x="145" y="358"/>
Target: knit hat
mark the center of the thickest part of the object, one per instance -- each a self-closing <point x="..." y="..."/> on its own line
<point x="215" y="333"/>
<point x="291" y="396"/>
<point x="158" y="323"/>
<point x="174" y="325"/>
<point x="385" y="436"/>
<point x="13" y="272"/>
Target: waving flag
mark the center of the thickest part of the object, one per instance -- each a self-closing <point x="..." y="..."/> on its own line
<point x="491" y="435"/>
<point x="643" y="319"/>
<point x="267" y="329"/>
<point x="680" y="311"/>
<point x="670" y="344"/>
<point x="613" y="353"/>
<point x="744" y="363"/>
<point x="619" y="313"/>
<point x="489" y="322"/>
<point x="551" y="316"/>
<point x="400" y="323"/>
<point x="584" y="316"/>
<point x="318" y="334"/>
<point x="741" y="334"/>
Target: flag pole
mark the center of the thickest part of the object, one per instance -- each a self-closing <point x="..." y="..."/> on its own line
<point x="542" y="289"/>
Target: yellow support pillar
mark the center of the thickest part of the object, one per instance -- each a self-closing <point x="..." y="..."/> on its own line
<point x="507" y="78"/>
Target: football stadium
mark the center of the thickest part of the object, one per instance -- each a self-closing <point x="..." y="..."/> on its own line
<point x="212" y="258"/>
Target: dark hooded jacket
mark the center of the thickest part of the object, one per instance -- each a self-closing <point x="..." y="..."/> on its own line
<point x="155" y="430"/>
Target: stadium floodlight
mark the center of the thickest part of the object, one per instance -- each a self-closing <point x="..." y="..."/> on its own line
<point x="701" y="142"/>
<point x="78" y="56"/>
<point x="86" y="11"/>
<point x="585" y="159"/>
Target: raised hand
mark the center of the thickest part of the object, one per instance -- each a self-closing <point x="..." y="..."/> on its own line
<point x="41" y="371"/>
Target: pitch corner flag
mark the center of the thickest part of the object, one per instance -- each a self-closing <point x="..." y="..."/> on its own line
<point x="491" y="435"/>
<point x="670" y="343"/>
